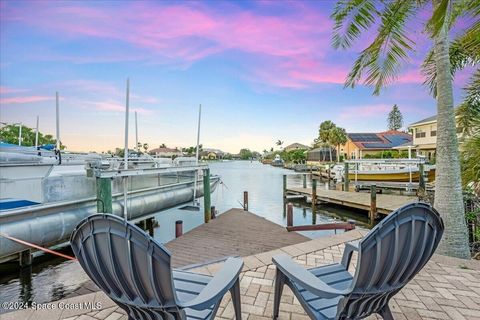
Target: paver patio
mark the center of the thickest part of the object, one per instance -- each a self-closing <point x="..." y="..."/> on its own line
<point x="447" y="288"/>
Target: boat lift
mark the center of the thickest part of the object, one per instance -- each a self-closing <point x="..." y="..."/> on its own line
<point x="409" y="186"/>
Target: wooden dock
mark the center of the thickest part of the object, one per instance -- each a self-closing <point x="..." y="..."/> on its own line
<point x="233" y="233"/>
<point x="386" y="203"/>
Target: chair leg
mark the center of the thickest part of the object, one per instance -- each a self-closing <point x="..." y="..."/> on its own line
<point x="279" y="283"/>
<point x="386" y="313"/>
<point x="235" y="292"/>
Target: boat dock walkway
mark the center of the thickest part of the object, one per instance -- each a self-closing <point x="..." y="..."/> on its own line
<point x="386" y="203"/>
<point x="233" y="233"/>
<point x="446" y="288"/>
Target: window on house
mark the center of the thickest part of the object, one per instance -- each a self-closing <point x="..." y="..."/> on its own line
<point x="419" y="133"/>
<point x="433" y="133"/>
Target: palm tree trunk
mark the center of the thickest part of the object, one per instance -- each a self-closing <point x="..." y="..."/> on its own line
<point x="330" y="150"/>
<point x="448" y="187"/>
<point x="338" y="153"/>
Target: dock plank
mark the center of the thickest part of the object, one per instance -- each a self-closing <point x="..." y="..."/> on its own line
<point x="386" y="203"/>
<point x="233" y="233"/>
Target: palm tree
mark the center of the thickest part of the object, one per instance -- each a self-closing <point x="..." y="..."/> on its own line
<point x="279" y="143"/>
<point x="325" y="134"/>
<point x="338" y="137"/>
<point x="379" y="64"/>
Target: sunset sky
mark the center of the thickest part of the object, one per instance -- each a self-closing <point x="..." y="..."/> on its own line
<point x="262" y="71"/>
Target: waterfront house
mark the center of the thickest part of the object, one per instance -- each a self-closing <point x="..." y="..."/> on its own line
<point x="425" y="136"/>
<point x="296" y="146"/>
<point x="361" y="144"/>
<point x="165" y="152"/>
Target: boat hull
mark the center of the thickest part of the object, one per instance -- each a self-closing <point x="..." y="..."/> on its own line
<point x="51" y="224"/>
<point x="403" y="176"/>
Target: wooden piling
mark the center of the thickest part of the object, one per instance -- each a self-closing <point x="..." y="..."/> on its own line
<point x="104" y="195"/>
<point x="206" y="195"/>
<point x="245" y="200"/>
<point x="351" y="223"/>
<point x="314" y="192"/>
<point x="25" y="258"/>
<point x="214" y="212"/>
<point x="289" y="215"/>
<point x="345" y="179"/>
<point x="421" y="180"/>
<point x="373" y="203"/>
<point x="284" y="186"/>
<point x="304" y="180"/>
<point x="178" y="228"/>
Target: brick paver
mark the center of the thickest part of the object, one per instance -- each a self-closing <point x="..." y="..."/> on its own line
<point x="447" y="288"/>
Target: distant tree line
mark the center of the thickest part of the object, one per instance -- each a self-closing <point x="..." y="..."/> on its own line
<point x="10" y="134"/>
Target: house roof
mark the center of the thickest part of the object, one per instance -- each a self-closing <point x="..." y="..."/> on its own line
<point x="296" y="146"/>
<point x="380" y="140"/>
<point x="429" y="119"/>
<point x="164" y="150"/>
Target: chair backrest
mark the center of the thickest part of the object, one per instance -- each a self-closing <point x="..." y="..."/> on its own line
<point x="391" y="254"/>
<point x="130" y="266"/>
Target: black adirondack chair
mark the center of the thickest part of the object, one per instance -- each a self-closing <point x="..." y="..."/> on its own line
<point x="389" y="256"/>
<point x="134" y="271"/>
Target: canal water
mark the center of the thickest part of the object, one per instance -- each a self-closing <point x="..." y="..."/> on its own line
<point x="51" y="279"/>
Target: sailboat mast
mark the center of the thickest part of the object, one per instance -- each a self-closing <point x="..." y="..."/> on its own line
<point x="57" y="118"/>
<point x="136" y="134"/>
<point x="197" y="154"/>
<point x="36" y="133"/>
<point x="125" y="152"/>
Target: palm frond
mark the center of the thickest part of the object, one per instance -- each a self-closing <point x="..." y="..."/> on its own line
<point x="469" y="110"/>
<point x="464" y="51"/>
<point x="437" y="21"/>
<point x="381" y="60"/>
<point x="351" y="18"/>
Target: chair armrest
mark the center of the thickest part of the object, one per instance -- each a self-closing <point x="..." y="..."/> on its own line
<point x="305" y="278"/>
<point x="218" y="286"/>
<point x="350" y="247"/>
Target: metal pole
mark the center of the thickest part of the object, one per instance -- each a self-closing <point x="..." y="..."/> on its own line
<point x="206" y="195"/>
<point x="197" y="153"/>
<point x="20" y="134"/>
<point x="125" y="152"/>
<point x="57" y="118"/>
<point x="36" y="133"/>
<point x="136" y="133"/>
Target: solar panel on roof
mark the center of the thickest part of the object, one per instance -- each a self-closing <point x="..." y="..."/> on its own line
<point x="396" y="140"/>
<point x="359" y="137"/>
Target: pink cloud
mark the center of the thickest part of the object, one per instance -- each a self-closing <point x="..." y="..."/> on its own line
<point x="189" y="32"/>
<point x="116" y="107"/>
<point x="9" y="90"/>
<point x="411" y="76"/>
<point x="23" y="100"/>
